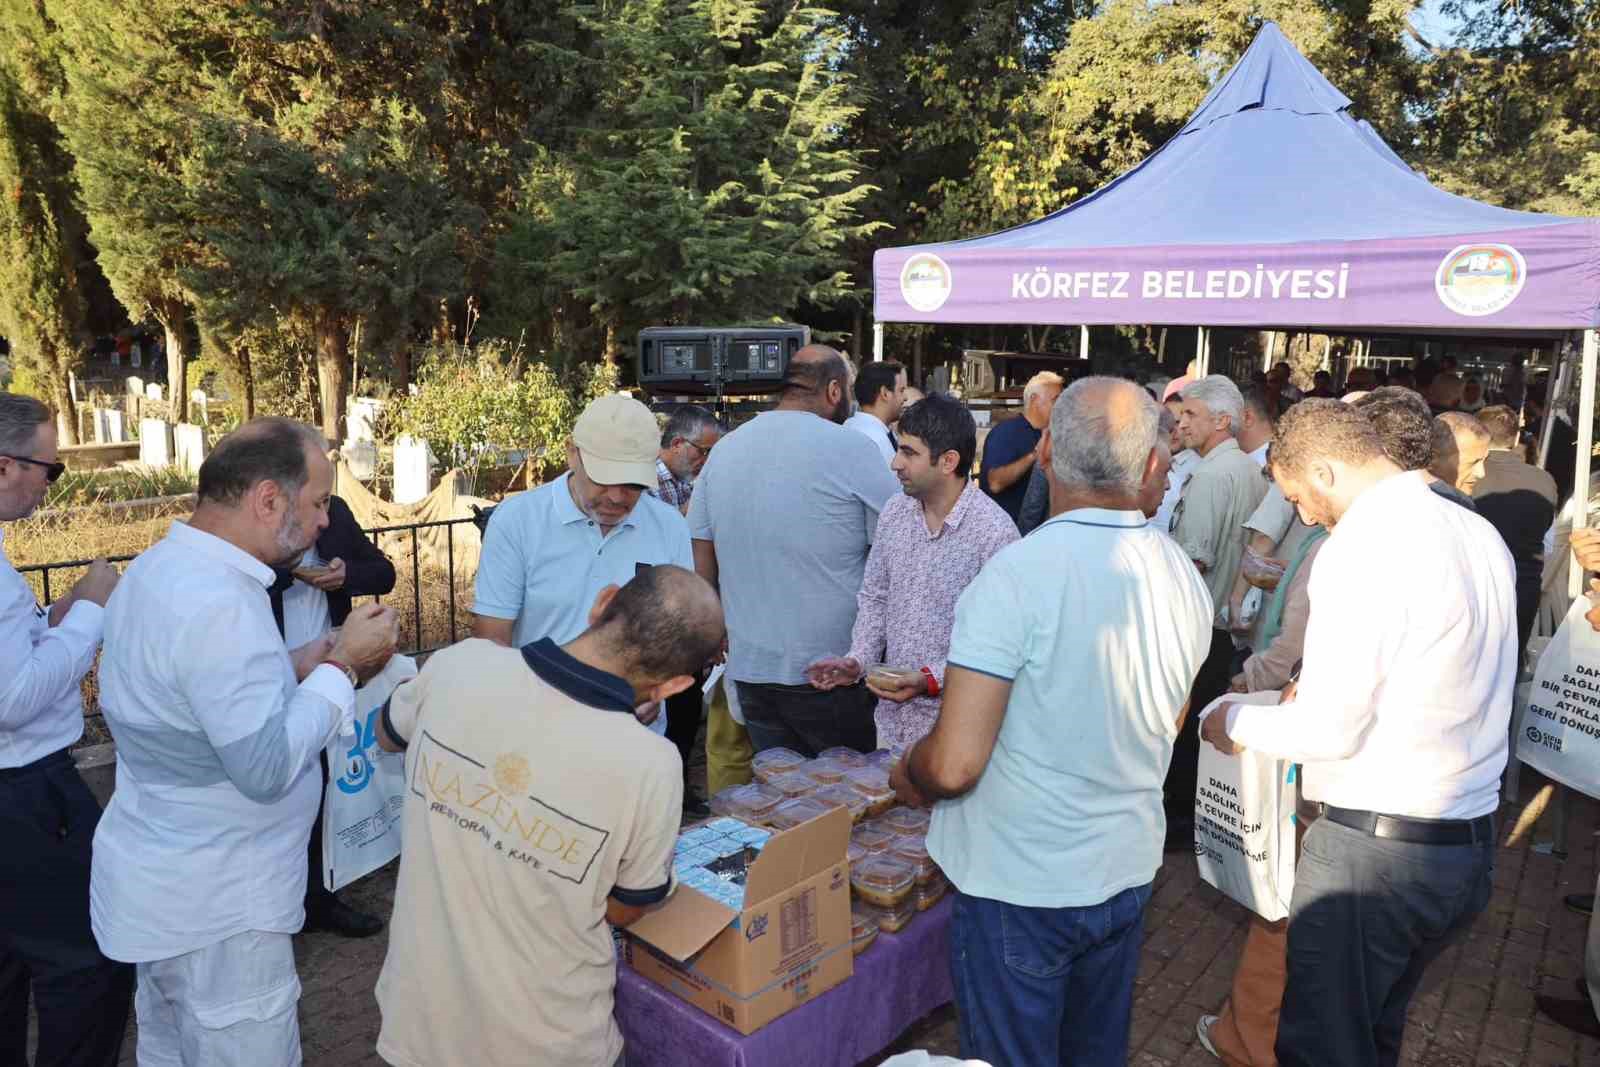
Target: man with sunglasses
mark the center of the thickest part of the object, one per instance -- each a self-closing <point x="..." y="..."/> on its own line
<point x="47" y="815"/>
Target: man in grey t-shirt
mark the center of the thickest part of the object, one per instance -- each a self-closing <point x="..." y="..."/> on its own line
<point x="782" y="518"/>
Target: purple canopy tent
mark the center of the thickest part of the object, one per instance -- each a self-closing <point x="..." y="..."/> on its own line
<point x="1272" y="207"/>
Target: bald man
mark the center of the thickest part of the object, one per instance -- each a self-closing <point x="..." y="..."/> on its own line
<point x="782" y="519"/>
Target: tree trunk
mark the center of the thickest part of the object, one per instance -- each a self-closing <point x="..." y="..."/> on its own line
<point x="333" y="357"/>
<point x="858" y="339"/>
<point x="66" y="412"/>
<point x="247" y="381"/>
<point x="613" y="353"/>
<point x="174" y="317"/>
<point x="402" y="369"/>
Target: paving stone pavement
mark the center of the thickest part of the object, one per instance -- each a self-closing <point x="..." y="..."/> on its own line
<point x="1476" y="1006"/>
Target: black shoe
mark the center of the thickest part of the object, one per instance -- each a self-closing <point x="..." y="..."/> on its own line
<point x="1180" y="836"/>
<point x="327" y="912"/>
<point x="1575" y="1015"/>
<point x="1582" y="903"/>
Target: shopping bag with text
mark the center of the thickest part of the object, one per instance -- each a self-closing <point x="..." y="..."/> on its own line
<point x="366" y="788"/>
<point x="1560" y="735"/>
<point x="1244" y="833"/>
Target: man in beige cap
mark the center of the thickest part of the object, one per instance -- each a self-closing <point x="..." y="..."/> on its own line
<point x="549" y="552"/>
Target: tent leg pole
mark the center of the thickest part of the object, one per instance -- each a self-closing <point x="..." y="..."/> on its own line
<point x="1585" y="427"/>
<point x="1083" y="342"/>
<point x="877" y="342"/>
<point x="1272" y="346"/>
<point x="1200" y="352"/>
<point x="1161" y="349"/>
<point x="1555" y="388"/>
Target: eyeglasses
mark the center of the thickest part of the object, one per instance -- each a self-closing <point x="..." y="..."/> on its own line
<point x="703" y="449"/>
<point x="52" y="471"/>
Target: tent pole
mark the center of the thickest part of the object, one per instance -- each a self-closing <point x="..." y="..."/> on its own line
<point x="1200" y="352"/>
<point x="1272" y="345"/>
<point x="1083" y="342"/>
<point x="1555" y="387"/>
<point x="1161" y="349"/>
<point x="877" y="342"/>
<point x="1585" y="427"/>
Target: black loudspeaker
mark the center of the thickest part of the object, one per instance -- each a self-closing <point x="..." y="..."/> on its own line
<point x="717" y="360"/>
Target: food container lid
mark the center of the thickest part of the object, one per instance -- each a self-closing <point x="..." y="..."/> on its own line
<point x="911" y="849"/>
<point x="841" y="796"/>
<point x="861" y="923"/>
<point x="753" y="802"/>
<point x="883" y="873"/>
<point x="872" y="838"/>
<point x="906" y="820"/>
<point x="873" y="781"/>
<point x="794" y="812"/>
<point x="775" y="758"/>
<point x="826" y="771"/>
<point x="844" y="757"/>
<point x="792" y="784"/>
<point x="855" y="853"/>
<point x="883" y="757"/>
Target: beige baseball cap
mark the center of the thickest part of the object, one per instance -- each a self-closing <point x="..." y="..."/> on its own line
<point x="618" y="439"/>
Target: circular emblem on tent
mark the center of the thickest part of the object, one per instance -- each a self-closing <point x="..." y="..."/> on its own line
<point x="925" y="282"/>
<point x="1480" y="279"/>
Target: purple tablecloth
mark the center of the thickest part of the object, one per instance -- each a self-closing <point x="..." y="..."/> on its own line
<point x="897" y="981"/>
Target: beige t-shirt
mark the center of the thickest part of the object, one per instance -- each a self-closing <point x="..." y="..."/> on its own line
<point x="533" y="795"/>
<point x="1223" y="490"/>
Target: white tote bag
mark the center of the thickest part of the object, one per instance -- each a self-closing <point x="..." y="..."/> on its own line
<point x="1560" y="728"/>
<point x="1244" y="816"/>
<point x="366" y="788"/>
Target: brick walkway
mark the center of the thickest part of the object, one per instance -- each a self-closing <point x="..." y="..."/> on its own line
<point x="1476" y="1006"/>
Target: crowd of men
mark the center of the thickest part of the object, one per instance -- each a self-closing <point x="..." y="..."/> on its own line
<point x="1036" y="634"/>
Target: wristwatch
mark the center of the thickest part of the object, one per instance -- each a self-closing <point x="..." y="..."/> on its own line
<point x="348" y="671"/>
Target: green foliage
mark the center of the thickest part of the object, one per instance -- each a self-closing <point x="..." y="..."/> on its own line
<point x="83" y="488"/>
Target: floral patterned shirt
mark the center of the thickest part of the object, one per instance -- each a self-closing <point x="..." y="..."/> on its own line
<point x="907" y="604"/>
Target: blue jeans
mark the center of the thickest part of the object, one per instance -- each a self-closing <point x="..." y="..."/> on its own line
<point x="1043" y="986"/>
<point x="1369" y="914"/>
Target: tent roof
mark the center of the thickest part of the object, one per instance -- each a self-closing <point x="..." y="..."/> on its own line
<point x="1274" y="167"/>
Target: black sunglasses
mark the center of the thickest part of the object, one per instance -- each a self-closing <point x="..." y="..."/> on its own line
<point x="52" y="471"/>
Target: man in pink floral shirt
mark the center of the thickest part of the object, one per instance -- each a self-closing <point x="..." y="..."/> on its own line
<point x="931" y="541"/>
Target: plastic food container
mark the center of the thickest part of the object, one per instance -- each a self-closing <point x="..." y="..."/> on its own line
<point x="914" y="850"/>
<point x="695" y="837"/>
<point x="844" y="797"/>
<point x="926" y="896"/>
<point x="906" y="821"/>
<point x="863" y="930"/>
<point x="883" y="757"/>
<point x="886" y="677"/>
<point x="794" y="812"/>
<point x="873" y="784"/>
<point x="844" y="757"/>
<point x="823" y="771"/>
<point x="1264" y="572"/>
<point x="775" y="761"/>
<point x="872" y="838"/>
<point x="751" y="803"/>
<point x="892" y="920"/>
<point x="855" y="853"/>
<point x="793" y="784"/>
<point x="883" y="881"/>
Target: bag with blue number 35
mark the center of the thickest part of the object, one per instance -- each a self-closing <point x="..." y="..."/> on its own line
<point x="366" y="788"/>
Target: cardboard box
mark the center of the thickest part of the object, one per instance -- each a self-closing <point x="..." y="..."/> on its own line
<point x="791" y="942"/>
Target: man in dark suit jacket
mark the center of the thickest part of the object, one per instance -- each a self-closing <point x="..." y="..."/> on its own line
<point x="353" y="567"/>
<point x="1519" y="500"/>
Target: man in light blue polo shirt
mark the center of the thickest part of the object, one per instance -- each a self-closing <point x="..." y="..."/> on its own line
<point x="1073" y="651"/>
<point x="549" y="552"/>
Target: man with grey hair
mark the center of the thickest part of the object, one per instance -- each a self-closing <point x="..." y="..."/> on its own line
<point x="199" y="872"/>
<point x="1009" y="450"/>
<point x="1050" y="826"/>
<point x="1222" y="492"/>
<point x="687" y="439"/>
<point x="1460" y="447"/>
<point x="47" y="814"/>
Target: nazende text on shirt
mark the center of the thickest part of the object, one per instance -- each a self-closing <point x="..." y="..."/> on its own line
<point x="1294" y="283"/>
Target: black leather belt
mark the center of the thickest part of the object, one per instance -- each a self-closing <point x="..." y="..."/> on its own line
<point x="1415" y="831"/>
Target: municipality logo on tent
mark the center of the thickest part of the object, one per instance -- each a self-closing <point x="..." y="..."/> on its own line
<point x="925" y="282"/>
<point x="1480" y="279"/>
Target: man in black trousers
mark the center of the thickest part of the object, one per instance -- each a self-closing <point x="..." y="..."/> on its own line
<point x="307" y="601"/>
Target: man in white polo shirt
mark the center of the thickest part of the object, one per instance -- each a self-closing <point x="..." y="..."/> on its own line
<point x="1400" y="720"/>
<point x="1072" y="653"/>
<point x="199" y="870"/>
<point x="549" y="552"/>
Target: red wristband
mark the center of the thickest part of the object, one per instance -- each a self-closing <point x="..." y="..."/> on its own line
<point x="933" y="683"/>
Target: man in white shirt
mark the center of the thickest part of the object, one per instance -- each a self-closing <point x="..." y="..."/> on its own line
<point x="200" y="861"/>
<point x="880" y="393"/>
<point x="1183" y="460"/>
<point x="1072" y="653"/>
<point x="47" y="814"/>
<point x="1400" y="720"/>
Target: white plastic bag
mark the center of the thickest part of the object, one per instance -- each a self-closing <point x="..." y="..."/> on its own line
<point x="1244" y="823"/>
<point x="366" y="788"/>
<point x="1560" y="729"/>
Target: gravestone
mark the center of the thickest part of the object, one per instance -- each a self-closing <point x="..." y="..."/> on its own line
<point x="199" y="400"/>
<point x="361" y="456"/>
<point x="155" y="442"/>
<point x="152" y="391"/>
<point x="361" y="418"/>
<point x="109" y="426"/>
<point x="413" y="471"/>
<point x="135" y="385"/>
<point x="189" y="448"/>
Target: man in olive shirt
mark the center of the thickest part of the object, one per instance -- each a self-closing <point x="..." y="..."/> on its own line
<point x="1222" y="492"/>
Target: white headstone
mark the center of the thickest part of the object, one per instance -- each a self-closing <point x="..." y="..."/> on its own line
<point x="135" y="385"/>
<point x="153" y="391"/>
<point x="361" y="457"/>
<point x="198" y="398"/>
<point x="189" y="446"/>
<point x="412" y="470"/>
<point x="109" y="428"/>
<point x="155" y="442"/>
<point x="363" y="414"/>
<point x="72" y="387"/>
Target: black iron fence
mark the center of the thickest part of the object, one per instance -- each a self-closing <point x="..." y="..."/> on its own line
<point x="423" y="593"/>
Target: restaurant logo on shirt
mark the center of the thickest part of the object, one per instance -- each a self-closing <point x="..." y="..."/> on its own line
<point x="925" y="282"/>
<point x="488" y="800"/>
<point x="1480" y="279"/>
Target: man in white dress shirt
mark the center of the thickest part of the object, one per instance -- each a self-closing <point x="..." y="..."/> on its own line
<point x="200" y="861"/>
<point x="1400" y="719"/>
<point x="880" y="394"/>
<point x="47" y="814"/>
